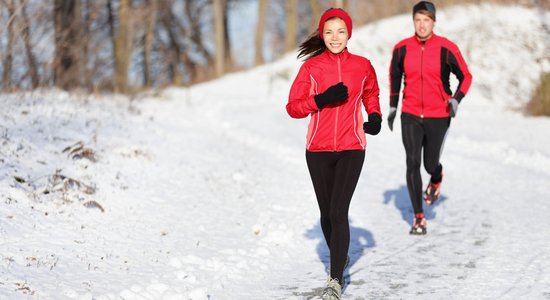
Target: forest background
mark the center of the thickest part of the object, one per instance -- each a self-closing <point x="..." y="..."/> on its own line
<point x="128" y="46"/>
<point x="132" y="46"/>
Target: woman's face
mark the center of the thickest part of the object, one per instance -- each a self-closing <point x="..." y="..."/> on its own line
<point x="335" y="35"/>
<point x="423" y="26"/>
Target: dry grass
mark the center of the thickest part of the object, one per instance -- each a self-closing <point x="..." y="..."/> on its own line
<point x="78" y="151"/>
<point x="540" y="102"/>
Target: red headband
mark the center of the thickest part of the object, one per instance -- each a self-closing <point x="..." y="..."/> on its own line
<point x="335" y="12"/>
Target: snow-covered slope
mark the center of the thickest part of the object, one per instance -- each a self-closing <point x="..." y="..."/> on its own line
<point x="203" y="193"/>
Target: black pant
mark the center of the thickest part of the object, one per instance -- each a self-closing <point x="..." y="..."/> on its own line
<point x="334" y="176"/>
<point x="428" y="134"/>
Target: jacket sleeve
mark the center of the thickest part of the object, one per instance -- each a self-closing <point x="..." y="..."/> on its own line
<point x="371" y="92"/>
<point x="396" y="73"/>
<point x="460" y="69"/>
<point x="300" y="100"/>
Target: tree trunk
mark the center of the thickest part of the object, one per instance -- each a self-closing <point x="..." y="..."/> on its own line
<point x="148" y="41"/>
<point x="175" y="53"/>
<point x="112" y="29"/>
<point x="219" y="29"/>
<point x="195" y="32"/>
<point x="291" y="24"/>
<point x="90" y="11"/>
<point x="226" y="40"/>
<point x="8" y="59"/>
<point x="258" y="46"/>
<point x="315" y="11"/>
<point x="31" y="59"/>
<point x="67" y="44"/>
<point x="340" y="4"/>
<point x="122" y="47"/>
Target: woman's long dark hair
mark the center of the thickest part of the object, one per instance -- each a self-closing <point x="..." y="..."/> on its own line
<point x="312" y="47"/>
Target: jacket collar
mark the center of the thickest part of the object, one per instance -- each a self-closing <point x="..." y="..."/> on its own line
<point x="342" y="55"/>
<point x="431" y="38"/>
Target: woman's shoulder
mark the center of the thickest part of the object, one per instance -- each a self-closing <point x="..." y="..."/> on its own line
<point x="313" y="65"/>
<point x="359" y="59"/>
<point x="312" y="61"/>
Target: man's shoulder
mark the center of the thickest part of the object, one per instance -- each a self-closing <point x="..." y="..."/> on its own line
<point x="445" y="42"/>
<point x="404" y="42"/>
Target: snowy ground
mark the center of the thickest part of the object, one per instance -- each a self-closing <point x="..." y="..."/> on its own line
<point x="203" y="193"/>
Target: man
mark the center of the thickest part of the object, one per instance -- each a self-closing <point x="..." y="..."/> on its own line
<point x="426" y="61"/>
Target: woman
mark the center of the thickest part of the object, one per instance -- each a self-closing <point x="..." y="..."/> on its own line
<point x="426" y="60"/>
<point x="331" y="87"/>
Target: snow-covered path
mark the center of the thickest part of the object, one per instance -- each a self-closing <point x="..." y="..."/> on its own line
<point x="206" y="193"/>
<point x="495" y="192"/>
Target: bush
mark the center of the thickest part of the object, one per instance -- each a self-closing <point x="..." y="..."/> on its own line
<point x="540" y="102"/>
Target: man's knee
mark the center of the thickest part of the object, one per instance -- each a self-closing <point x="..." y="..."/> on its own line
<point x="413" y="164"/>
<point x="435" y="171"/>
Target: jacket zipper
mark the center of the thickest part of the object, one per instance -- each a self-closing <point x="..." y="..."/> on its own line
<point x="422" y="80"/>
<point x="337" y="107"/>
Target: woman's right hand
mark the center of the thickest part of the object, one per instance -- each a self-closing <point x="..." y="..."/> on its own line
<point x="333" y="94"/>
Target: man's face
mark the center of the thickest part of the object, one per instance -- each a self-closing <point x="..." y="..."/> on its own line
<point x="423" y="26"/>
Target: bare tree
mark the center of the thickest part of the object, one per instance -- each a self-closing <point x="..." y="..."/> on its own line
<point x="291" y="24"/>
<point x="226" y="39"/>
<point x="89" y="48"/>
<point x="340" y="4"/>
<point x="26" y="35"/>
<point x="219" y="30"/>
<point x="193" y="12"/>
<point x="8" y="58"/>
<point x="315" y="10"/>
<point x="260" y="29"/>
<point x="175" y="52"/>
<point x="67" y="56"/>
<point x="121" y="38"/>
<point x="148" y="40"/>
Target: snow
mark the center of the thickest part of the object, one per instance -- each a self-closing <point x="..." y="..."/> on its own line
<point x="203" y="192"/>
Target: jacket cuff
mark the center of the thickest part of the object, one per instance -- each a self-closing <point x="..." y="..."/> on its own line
<point x="375" y="117"/>
<point x="458" y="96"/>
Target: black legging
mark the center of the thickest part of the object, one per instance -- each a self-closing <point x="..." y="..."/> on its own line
<point x="418" y="133"/>
<point x="334" y="176"/>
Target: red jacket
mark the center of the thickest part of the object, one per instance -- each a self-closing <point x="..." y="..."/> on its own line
<point x="336" y="127"/>
<point x="427" y="66"/>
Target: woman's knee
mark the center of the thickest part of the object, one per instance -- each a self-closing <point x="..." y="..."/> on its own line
<point x="338" y="217"/>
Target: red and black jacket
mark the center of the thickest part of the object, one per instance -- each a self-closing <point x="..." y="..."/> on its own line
<point x="427" y="66"/>
<point x="335" y="128"/>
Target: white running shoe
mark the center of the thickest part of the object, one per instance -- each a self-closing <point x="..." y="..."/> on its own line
<point x="333" y="291"/>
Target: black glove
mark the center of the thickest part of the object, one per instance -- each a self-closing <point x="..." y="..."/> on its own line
<point x="333" y="94"/>
<point x="391" y="117"/>
<point x="453" y="107"/>
<point x="374" y="124"/>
